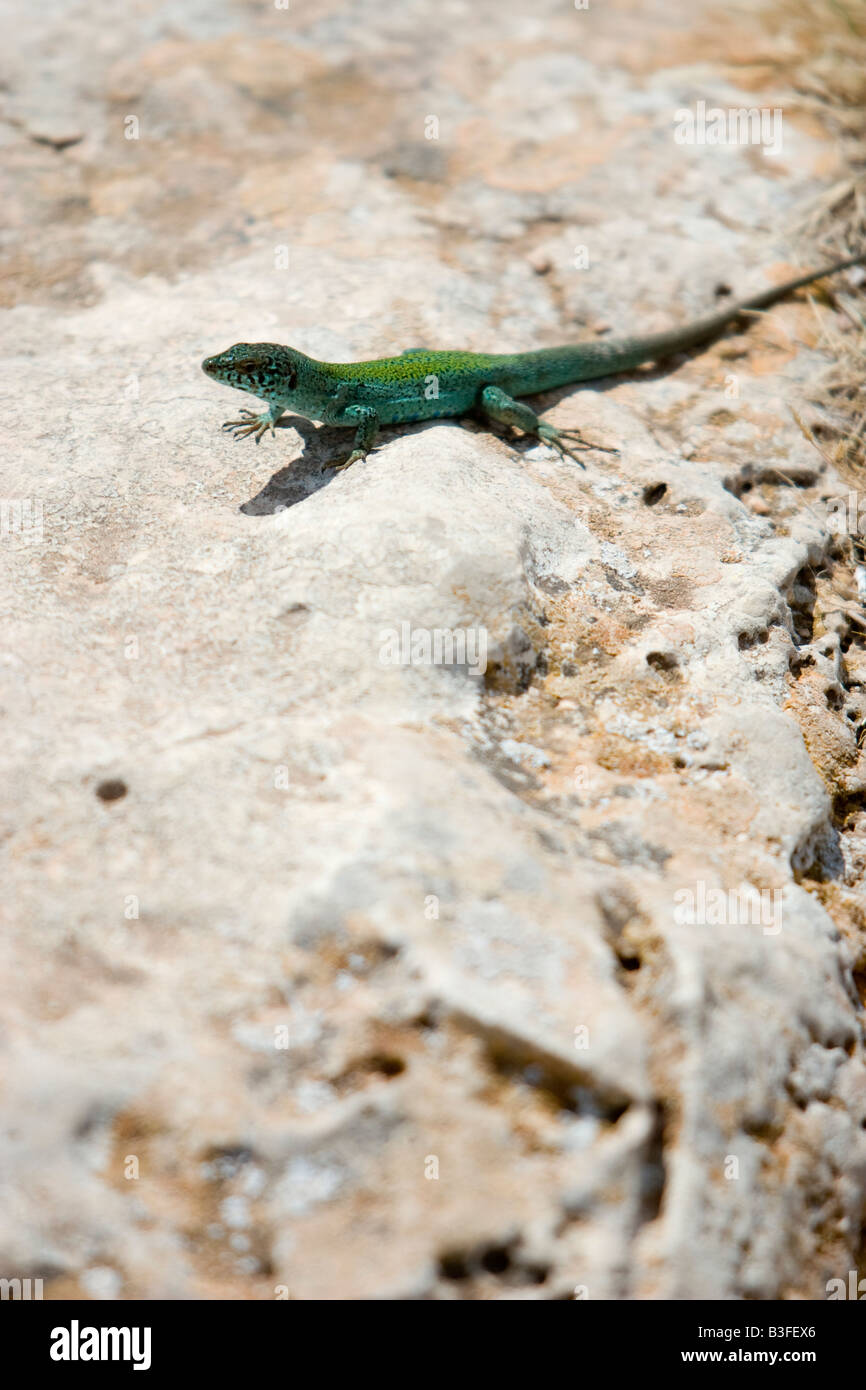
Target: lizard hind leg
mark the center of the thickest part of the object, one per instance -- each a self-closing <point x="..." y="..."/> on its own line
<point x="499" y="406"/>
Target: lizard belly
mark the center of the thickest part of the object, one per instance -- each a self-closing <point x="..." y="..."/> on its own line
<point x="410" y="408"/>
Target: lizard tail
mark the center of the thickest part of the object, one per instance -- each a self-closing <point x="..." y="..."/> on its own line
<point x="586" y="361"/>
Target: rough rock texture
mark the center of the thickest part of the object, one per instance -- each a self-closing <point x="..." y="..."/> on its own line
<point x="329" y="978"/>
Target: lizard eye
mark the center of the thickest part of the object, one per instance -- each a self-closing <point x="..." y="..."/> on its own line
<point x="248" y="365"/>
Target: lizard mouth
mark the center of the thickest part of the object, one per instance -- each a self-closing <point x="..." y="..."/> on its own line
<point x="210" y="366"/>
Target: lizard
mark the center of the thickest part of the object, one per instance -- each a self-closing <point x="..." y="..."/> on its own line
<point x="424" y="384"/>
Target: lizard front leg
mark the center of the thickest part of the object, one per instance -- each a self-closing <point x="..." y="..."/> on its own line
<point x="251" y="422"/>
<point x="365" y="435"/>
<point x="499" y="406"/>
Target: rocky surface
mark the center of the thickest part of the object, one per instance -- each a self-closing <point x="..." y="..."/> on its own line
<point x="332" y="978"/>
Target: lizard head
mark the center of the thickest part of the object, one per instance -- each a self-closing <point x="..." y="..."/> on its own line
<point x="261" y="368"/>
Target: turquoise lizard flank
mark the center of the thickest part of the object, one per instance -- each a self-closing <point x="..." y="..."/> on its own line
<point x="431" y="385"/>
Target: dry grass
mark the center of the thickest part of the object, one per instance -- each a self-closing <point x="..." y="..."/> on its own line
<point x="831" y="80"/>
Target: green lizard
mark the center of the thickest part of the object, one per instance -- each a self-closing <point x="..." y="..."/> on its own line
<point x="430" y="385"/>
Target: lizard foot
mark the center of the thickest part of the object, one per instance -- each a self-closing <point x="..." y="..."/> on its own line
<point x="251" y="423"/>
<point x="557" y="438"/>
<point x="355" y="457"/>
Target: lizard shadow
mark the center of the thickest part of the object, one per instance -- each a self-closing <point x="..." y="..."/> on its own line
<point x="304" y="474"/>
<point x="312" y="469"/>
